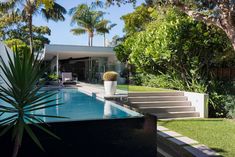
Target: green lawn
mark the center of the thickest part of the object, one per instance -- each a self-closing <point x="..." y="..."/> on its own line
<point x="218" y="134"/>
<point x="134" y="88"/>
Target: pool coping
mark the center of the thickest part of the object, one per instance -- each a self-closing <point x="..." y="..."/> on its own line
<point x="184" y="145"/>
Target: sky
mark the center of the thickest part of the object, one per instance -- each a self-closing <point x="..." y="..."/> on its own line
<point x="60" y="31"/>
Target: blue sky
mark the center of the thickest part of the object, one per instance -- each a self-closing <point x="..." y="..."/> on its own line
<point x="60" y="31"/>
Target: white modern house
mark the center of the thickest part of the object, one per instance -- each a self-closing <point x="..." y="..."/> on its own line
<point x="84" y="62"/>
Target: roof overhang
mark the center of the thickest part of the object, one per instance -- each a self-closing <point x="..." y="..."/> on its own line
<point x="75" y="51"/>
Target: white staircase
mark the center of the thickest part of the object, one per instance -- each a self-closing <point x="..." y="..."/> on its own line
<point x="164" y="105"/>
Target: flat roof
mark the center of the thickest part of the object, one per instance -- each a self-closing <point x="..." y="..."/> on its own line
<point x="76" y="51"/>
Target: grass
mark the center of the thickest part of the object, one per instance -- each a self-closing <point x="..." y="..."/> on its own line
<point x="218" y="134"/>
<point x="134" y="88"/>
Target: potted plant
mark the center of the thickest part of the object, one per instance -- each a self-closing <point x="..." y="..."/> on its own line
<point x="53" y="79"/>
<point x="110" y="82"/>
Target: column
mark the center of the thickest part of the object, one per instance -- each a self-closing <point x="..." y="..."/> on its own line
<point x="57" y="64"/>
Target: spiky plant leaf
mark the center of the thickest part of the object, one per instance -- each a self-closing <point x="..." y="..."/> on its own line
<point x="21" y="92"/>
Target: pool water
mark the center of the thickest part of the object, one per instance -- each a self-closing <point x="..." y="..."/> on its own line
<point x="79" y="106"/>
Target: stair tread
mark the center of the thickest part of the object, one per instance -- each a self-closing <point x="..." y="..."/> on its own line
<point x="165" y="107"/>
<point x="144" y="102"/>
<point x="178" y="112"/>
<point x="165" y="96"/>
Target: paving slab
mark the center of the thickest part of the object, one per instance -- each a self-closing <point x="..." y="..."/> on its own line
<point x="183" y="141"/>
<point x="201" y="151"/>
<point x="161" y="128"/>
<point x="167" y="134"/>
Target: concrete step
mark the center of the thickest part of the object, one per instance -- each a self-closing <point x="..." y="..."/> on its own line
<point x="166" y="109"/>
<point x="160" y="103"/>
<point x="177" y="114"/>
<point x="157" y="98"/>
<point x="142" y="94"/>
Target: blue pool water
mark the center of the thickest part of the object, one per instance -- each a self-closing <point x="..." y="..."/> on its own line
<point x="79" y="106"/>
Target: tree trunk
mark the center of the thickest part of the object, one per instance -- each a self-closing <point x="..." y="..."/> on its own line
<point x="230" y="31"/>
<point x="225" y="22"/>
<point x="104" y="40"/>
<point x="89" y="40"/>
<point x="31" y="33"/>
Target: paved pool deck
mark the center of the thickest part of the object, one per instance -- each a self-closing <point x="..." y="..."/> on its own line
<point x="98" y="91"/>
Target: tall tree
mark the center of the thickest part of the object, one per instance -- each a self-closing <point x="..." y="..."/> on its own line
<point x="220" y="13"/>
<point x="14" y="30"/>
<point x="105" y="28"/>
<point x="48" y="8"/>
<point x="88" y="20"/>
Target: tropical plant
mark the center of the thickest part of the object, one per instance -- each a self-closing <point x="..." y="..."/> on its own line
<point x="105" y="27"/>
<point x="53" y="77"/>
<point x="21" y="96"/>
<point x="88" y="21"/>
<point x="48" y="8"/>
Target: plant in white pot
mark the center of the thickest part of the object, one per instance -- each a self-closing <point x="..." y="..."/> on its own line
<point x="110" y="82"/>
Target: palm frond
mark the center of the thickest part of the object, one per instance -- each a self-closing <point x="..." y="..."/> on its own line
<point x="56" y="13"/>
<point x="78" y="31"/>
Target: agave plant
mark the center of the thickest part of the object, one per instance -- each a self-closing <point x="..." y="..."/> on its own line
<point x="22" y="96"/>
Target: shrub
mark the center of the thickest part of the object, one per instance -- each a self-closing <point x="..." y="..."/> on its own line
<point x="110" y="76"/>
<point x="160" y="81"/>
<point x="230" y="106"/>
<point x="53" y="77"/>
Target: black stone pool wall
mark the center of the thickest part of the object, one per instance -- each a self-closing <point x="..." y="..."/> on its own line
<point x="129" y="137"/>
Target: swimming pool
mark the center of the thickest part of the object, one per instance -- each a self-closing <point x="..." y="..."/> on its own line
<point x="80" y="106"/>
<point x="94" y="128"/>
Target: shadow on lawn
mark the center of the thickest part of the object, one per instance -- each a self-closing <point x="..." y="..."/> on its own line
<point x="219" y="150"/>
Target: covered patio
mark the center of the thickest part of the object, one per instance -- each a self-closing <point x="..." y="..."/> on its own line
<point x="87" y="64"/>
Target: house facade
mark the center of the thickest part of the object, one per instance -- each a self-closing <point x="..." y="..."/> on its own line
<point x="87" y="64"/>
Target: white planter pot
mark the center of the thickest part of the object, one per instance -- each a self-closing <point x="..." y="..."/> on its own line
<point x="110" y="87"/>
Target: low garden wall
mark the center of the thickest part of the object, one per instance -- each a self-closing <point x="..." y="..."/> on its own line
<point x="199" y="101"/>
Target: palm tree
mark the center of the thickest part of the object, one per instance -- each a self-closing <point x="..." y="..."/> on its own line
<point x="88" y="21"/>
<point x="48" y="8"/>
<point x="104" y="28"/>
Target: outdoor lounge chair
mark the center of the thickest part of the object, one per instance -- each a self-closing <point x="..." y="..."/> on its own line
<point x="67" y="79"/>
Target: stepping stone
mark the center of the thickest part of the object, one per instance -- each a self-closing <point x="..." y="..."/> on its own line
<point x="201" y="151"/>
<point x="183" y="141"/>
<point x="161" y="128"/>
<point x="168" y="134"/>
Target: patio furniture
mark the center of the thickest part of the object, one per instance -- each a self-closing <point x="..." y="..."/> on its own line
<point x="67" y="78"/>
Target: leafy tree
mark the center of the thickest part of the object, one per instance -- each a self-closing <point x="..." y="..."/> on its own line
<point x="220" y="13"/>
<point x="48" y="8"/>
<point x="13" y="28"/>
<point x="174" y="43"/>
<point x="88" y="20"/>
<point x="137" y="20"/>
